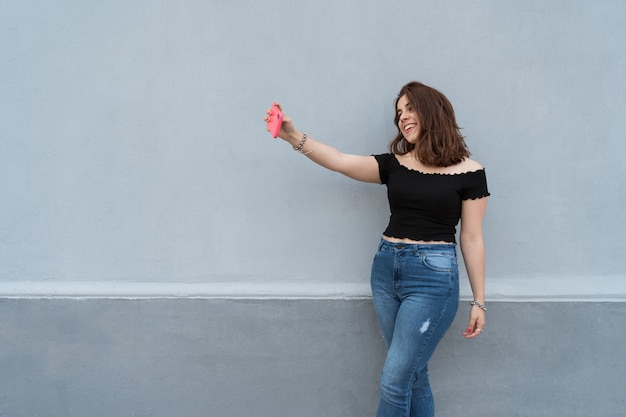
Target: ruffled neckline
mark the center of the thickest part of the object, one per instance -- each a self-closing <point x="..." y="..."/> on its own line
<point x="443" y="174"/>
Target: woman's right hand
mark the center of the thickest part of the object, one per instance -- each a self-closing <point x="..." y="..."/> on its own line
<point x="287" y="130"/>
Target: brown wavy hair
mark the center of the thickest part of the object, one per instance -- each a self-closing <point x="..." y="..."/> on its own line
<point x="440" y="142"/>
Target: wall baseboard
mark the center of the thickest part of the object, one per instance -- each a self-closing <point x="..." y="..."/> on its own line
<point x="509" y="289"/>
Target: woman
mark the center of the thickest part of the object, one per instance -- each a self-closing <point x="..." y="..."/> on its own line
<point x="431" y="185"/>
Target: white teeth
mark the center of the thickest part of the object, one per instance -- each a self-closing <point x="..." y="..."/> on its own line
<point x="409" y="127"/>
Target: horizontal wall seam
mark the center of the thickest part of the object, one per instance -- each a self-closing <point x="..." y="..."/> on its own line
<point x="296" y="297"/>
<point x="267" y="291"/>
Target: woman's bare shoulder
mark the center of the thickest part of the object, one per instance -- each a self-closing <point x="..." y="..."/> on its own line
<point x="470" y="165"/>
<point x="467" y="165"/>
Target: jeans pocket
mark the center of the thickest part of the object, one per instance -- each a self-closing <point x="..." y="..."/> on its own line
<point x="438" y="262"/>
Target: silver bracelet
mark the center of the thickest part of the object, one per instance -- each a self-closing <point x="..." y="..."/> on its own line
<point x="479" y="305"/>
<point x="302" y="142"/>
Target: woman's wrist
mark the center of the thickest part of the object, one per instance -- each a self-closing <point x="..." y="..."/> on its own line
<point x="301" y="144"/>
<point x="479" y="305"/>
<point x="294" y="138"/>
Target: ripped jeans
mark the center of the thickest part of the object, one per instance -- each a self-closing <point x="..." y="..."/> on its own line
<point x="415" y="288"/>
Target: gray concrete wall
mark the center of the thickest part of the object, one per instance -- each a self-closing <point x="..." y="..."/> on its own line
<point x="165" y="358"/>
<point x="133" y="147"/>
<point x="150" y="229"/>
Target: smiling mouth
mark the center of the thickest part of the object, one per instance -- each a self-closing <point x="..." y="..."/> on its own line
<point x="409" y="127"/>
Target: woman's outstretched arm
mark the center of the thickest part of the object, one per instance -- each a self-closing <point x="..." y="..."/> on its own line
<point x="358" y="167"/>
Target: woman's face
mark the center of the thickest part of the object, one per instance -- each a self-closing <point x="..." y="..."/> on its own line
<point x="408" y="122"/>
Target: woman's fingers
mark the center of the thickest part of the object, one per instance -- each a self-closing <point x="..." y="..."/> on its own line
<point x="475" y="327"/>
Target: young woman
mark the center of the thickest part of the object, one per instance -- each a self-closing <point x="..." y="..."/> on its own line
<point x="431" y="185"/>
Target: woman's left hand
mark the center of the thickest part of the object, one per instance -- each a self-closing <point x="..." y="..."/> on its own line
<point x="476" y="323"/>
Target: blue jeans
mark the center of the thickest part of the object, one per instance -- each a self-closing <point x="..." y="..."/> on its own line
<point x="415" y="288"/>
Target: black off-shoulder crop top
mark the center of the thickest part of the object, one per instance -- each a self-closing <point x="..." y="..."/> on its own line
<point x="426" y="206"/>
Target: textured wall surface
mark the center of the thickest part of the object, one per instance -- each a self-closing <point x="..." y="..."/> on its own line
<point x="229" y="358"/>
<point x="132" y="145"/>
<point x="161" y="255"/>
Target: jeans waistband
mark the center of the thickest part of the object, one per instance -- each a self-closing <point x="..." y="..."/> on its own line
<point x="386" y="245"/>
